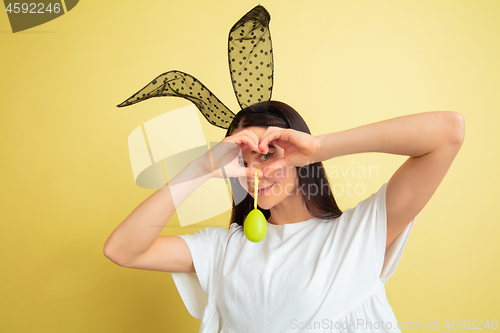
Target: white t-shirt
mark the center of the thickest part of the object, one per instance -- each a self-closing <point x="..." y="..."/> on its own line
<point x="311" y="276"/>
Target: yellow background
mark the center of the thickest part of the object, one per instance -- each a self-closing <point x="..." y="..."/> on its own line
<point x="66" y="179"/>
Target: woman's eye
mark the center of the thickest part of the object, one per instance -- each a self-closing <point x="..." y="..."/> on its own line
<point x="263" y="157"/>
<point x="267" y="155"/>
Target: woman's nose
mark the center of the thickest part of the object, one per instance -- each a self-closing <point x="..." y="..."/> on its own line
<point x="260" y="166"/>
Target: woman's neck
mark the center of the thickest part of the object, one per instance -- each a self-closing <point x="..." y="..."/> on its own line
<point x="290" y="210"/>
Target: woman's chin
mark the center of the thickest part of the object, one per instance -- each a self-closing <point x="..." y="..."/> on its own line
<point x="265" y="204"/>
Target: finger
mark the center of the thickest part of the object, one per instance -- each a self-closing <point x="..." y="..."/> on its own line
<point x="280" y="143"/>
<point x="255" y="137"/>
<point x="270" y="136"/>
<point x="253" y="140"/>
<point x="248" y="139"/>
<point x="277" y="143"/>
<point x="261" y="146"/>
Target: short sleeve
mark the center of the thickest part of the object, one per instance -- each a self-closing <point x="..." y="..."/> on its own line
<point x="195" y="288"/>
<point x="369" y="218"/>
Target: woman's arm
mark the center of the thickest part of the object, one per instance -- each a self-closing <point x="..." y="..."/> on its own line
<point x="431" y="139"/>
<point x="140" y="230"/>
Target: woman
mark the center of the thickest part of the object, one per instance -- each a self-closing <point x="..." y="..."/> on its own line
<point x="318" y="269"/>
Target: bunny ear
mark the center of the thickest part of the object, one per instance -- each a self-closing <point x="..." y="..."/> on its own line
<point x="251" y="58"/>
<point x="176" y="83"/>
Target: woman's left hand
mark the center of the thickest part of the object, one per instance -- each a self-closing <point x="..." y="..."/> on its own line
<point x="299" y="148"/>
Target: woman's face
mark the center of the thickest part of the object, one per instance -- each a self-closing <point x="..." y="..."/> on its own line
<point x="280" y="184"/>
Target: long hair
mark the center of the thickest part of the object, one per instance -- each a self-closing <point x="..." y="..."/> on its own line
<point x="279" y="114"/>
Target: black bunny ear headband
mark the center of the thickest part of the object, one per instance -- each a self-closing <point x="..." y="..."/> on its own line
<point x="250" y="64"/>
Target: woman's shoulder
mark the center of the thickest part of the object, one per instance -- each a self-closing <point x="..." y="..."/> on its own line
<point x="213" y="234"/>
<point x="234" y="226"/>
<point x="224" y="232"/>
<point x="208" y="234"/>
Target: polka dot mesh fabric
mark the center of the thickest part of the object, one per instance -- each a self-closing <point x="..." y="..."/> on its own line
<point x="251" y="58"/>
<point x="177" y="83"/>
<point x="250" y="64"/>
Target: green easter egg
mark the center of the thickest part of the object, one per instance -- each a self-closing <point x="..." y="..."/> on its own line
<point x="255" y="226"/>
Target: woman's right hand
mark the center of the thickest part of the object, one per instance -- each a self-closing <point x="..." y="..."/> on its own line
<point x="227" y="155"/>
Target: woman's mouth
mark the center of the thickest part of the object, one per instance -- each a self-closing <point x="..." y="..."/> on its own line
<point x="264" y="190"/>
